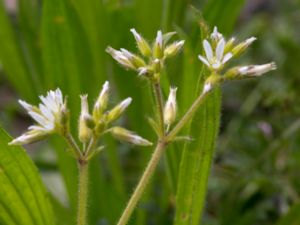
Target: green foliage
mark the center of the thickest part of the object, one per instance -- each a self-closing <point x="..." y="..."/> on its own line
<point x="61" y="43"/>
<point x="23" y="198"/>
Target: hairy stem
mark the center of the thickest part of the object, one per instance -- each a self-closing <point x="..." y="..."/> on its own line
<point x="159" y="104"/>
<point x="83" y="193"/>
<point x="73" y="145"/>
<point x="140" y="188"/>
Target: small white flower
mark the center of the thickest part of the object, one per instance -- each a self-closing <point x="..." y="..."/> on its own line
<point x="215" y="59"/>
<point x="48" y="117"/>
<point x="170" y="107"/>
<point x="257" y="70"/>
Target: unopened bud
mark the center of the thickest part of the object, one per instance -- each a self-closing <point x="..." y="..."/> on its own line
<point x="241" y="72"/>
<point x="128" y="136"/>
<point x="156" y="65"/>
<point x="229" y="45"/>
<point x="84" y="131"/>
<point x="101" y="103"/>
<point x="134" y="59"/>
<point x="118" y="110"/>
<point x="240" y="48"/>
<point x="173" y="48"/>
<point x="215" y="35"/>
<point x="170" y="107"/>
<point x="142" y="44"/>
<point x="256" y="70"/>
<point x="158" y="46"/>
<point x="120" y="58"/>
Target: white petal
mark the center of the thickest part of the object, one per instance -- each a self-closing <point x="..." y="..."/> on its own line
<point x="38" y="118"/>
<point x="46" y="112"/>
<point x="25" y="105"/>
<point x="204" y="60"/>
<point x="208" y="50"/>
<point x="227" y="57"/>
<point x="220" y="49"/>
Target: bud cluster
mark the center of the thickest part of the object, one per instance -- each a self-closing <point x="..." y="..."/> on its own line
<point x="151" y="59"/>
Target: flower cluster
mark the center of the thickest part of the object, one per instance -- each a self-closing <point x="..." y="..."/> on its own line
<point x="155" y="55"/>
<point x="52" y="117"/>
<point x="218" y="52"/>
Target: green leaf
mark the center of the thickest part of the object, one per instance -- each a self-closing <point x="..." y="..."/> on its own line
<point x="196" y="160"/>
<point x="23" y="198"/>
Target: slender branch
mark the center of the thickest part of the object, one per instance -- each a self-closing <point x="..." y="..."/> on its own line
<point x="159" y="104"/>
<point x="83" y="192"/>
<point x="72" y="143"/>
<point x="140" y="188"/>
<point x="187" y="116"/>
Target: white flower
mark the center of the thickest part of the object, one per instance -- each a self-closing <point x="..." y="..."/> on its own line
<point x="215" y="59"/>
<point x="48" y="117"/>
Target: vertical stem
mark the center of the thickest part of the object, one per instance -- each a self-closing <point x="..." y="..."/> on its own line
<point x="159" y="104"/>
<point x="83" y="193"/>
<point x="140" y="188"/>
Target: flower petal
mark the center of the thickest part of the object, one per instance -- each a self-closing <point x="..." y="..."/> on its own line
<point x="220" y="49"/>
<point x="208" y="50"/>
<point x="204" y="60"/>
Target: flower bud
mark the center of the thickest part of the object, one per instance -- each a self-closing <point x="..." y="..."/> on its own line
<point x="158" y="46"/>
<point x="101" y="103"/>
<point x="128" y="136"/>
<point x="229" y="45"/>
<point x="240" y="48"/>
<point x="118" y="110"/>
<point x="84" y="131"/>
<point x="170" y="107"/>
<point x="120" y="58"/>
<point x="173" y="48"/>
<point x="142" y="44"/>
<point x="256" y="70"/>
<point x="134" y="59"/>
<point x="241" y="72"/>
<point x="215" y="35"/>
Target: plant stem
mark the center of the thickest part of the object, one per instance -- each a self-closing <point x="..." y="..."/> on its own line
<point x="187" y="116"/>
<point x="159" y="104"/>
<point x="155" y="158"/>
<point x="83" y="167"/>
<point x="72" y="143"/>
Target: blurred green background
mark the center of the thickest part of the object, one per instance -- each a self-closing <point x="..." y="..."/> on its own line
<point x="61" y="43"/>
